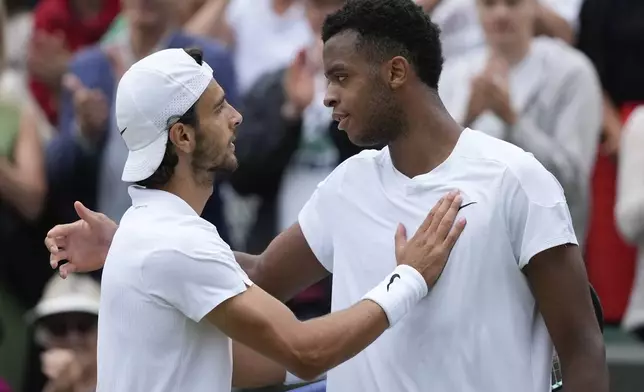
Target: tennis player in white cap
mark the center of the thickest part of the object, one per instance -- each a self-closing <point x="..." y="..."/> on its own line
<point x="173" y="295"/>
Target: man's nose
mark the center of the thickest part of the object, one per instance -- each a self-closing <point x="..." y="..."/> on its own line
<point x="237" y="118"/>
<point x="330" y="99"/>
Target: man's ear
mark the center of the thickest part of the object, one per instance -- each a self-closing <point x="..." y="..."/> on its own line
<point x="397" y="72"/>
<point x="183" y="138"/>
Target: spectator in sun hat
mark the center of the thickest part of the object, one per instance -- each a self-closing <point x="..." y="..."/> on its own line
<point x="65" y="323"/>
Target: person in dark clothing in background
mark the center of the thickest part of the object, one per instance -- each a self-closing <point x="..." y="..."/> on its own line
<point x="286" y="145"/>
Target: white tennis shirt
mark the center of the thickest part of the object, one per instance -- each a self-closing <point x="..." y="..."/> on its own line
<point x="479" y="329"/>
<point x="166" y="269"/>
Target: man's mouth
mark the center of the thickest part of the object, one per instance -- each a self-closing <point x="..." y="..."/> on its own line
<point x="341" y="118"/>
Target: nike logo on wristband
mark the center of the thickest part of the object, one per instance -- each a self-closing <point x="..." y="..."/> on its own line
<point x="393" y="277"/>
<point x="465" y="205"/>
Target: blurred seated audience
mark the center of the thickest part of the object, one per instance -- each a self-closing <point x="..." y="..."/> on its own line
<point x="65" y="324"/>
<point x="287" y="144"/>
<point x="19" y="23"/>
<point x="629" y="212"/>
<point x="23" y="187"/>
<point x="537" y="93"/>
<point x="60" y="28"/>
<point x="264" y="35"/>
<point x="611" y="34"/>
<point x="86" y="159"/>
<point x="187" y="9"/>
<point x="462" y="32"/>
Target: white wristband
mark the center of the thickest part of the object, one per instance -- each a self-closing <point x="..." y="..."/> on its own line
<point x="292" y="379"/>
<point x="399" y="292"/>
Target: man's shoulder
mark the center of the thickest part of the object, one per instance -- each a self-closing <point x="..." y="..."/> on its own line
<point x="486" y="147"/>
<point x="359" y="164"/>
<point x="512" y="160"/>
<point x="165" y="235"/>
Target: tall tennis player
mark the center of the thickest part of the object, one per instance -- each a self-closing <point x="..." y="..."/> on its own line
<point x="515" y="282"/>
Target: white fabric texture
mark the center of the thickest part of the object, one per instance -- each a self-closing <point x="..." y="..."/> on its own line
<point x="263" y="40"/>
<point x="166" y="269"/>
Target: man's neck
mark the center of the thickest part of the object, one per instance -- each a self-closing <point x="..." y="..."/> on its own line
<point x="144" y="42"/>
<point x="281" y="6"/>
<point x="513" y="55"/>
<point x="184" y="186"/>
<point x="430" y="137"/>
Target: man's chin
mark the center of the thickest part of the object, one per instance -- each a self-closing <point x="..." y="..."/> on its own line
<point x="227" y="167"/>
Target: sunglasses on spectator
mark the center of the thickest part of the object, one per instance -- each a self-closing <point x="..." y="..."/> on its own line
<point x="61" y="325"/>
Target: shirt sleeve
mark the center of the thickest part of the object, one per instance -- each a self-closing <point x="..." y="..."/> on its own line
<point x="195" y="279"/>
<point x="315" y="228"/>
<point x="535" y="210"/>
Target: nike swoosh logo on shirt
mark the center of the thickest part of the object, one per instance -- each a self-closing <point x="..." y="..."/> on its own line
<point x="124" y="129"/>
<point x="465" y="205"/>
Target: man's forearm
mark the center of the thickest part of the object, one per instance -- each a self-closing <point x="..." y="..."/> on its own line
<point x="253" y="370"/>
<point x="585" y="370"/>
<point x="248" y="263"/>
<point x="324" y="343"/>
<point x="286" y="267"/>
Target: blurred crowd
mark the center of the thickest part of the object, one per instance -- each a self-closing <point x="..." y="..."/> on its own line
<point x="563" y="79"/>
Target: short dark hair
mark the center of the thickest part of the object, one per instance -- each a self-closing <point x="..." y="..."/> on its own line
<point x="170" y="159"/>
<point x="389" y="28"/>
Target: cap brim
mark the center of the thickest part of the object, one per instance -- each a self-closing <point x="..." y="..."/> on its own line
<point x="63" y="305"/>
<point x="141" y="164"/>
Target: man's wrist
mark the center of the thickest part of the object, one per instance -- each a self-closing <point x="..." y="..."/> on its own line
<point x="399" y="292"/>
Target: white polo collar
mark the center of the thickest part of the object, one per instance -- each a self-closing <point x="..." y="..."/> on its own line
<point x="169" y="202"/>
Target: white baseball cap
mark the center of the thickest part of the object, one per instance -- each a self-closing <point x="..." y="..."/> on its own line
<point x="77" y="293"/>
<point x="155" y="90"/>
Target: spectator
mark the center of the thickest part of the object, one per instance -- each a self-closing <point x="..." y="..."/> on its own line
<point x="65" y="322"/>
<point x="287" y="144"/>
<point x="87" y="159"/>
<point x="537" y="93"/>
<point x="629" y="212"/>
<point x="264" y="35"/>
<point x="61" y="27"/>
<point x="187" y="9"/>
<point x="462" y="31"/>
<point x="612" y="36"/>
<point x="19" y="23"/>
<point x="22" y="180"/>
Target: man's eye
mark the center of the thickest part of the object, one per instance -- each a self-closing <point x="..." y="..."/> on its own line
<point x="341" y="78"/>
